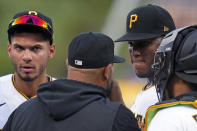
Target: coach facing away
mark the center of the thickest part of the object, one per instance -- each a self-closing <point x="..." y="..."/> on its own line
<point x="78" y="103"/>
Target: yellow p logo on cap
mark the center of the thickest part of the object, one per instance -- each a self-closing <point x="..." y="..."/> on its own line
<point x="133" y="19"/>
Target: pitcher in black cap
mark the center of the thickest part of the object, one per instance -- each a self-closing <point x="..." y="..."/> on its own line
<point x="30" y="35"/>
<point x="145" y="28"/>
<point x="78" y="103"/>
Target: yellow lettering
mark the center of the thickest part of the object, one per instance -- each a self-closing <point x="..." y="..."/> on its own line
<point x="133" y="19"/>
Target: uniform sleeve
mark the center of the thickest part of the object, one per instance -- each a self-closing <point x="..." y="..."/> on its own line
<point x="125" y="120"/>
<point x="8" y="125"/>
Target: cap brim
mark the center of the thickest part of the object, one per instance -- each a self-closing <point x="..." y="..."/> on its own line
<point x="136" y="36"/>
<point x="118" y="59"/>
<point x="28" y="26"/>
<point x="189" y="78"/>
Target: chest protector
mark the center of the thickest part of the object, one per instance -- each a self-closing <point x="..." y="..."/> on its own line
<point x="189" y="99"/>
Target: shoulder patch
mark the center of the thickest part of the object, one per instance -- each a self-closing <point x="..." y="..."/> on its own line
<point x="195" y="117"/>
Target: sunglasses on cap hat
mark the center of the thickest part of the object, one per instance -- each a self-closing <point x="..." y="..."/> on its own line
<point x="34" y="19"/>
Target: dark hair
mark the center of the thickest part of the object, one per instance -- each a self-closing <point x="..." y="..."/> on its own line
<point x="45" y="35"/>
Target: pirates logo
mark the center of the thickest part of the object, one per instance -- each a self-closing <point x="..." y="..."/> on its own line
<point x="133" y="19"/>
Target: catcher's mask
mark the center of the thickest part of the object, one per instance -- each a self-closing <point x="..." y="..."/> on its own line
<point x="177" y="54"/>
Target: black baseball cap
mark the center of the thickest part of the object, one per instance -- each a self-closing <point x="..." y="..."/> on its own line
<point x="31" y="20"/>
<point x="147" y="22"/>
<point x="90" y="50"/>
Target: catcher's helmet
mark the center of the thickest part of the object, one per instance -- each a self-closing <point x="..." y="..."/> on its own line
<point x="177" y="54"/>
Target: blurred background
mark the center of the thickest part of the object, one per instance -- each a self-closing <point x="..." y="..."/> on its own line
<point x="70" y="17"/>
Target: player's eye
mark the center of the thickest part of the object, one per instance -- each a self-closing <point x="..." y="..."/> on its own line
<point x="18" y="47"/>
<point x="36" y="48"/>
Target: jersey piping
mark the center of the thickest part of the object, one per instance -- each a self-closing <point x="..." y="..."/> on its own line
<point x="151" y="112"/>
<point x="14" y="84"/>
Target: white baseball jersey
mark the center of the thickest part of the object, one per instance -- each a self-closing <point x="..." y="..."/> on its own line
<point x="146" y="98"/>
<point x="176" y="118"/>
<point x="10" y="97"/>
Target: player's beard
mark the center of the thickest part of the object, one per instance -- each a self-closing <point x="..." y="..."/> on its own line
<point x="149" y="75"/>
<point x="27" y="78"/>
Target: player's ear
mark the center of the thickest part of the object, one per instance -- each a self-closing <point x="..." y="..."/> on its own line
<point x="9" y="49"/>
<point x="107" y="71"/>
<point x="66" y="62"/>
<point x="51" y="50"/>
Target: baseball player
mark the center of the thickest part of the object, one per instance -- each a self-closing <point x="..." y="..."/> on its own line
<point x="78" y="103"/>
<point x="30" y="35"/>
<point x="146" y="26"/>
<point x="175" y="74"/>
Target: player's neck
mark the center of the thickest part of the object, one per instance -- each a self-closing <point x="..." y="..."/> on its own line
<point x="180" y="88"/>
<point x="29" y="88"/>
<point x="176" y="87"/>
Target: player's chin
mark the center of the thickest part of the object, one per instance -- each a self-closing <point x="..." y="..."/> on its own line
<point x="141" y="73"/>
<point x="27" y="76"/>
